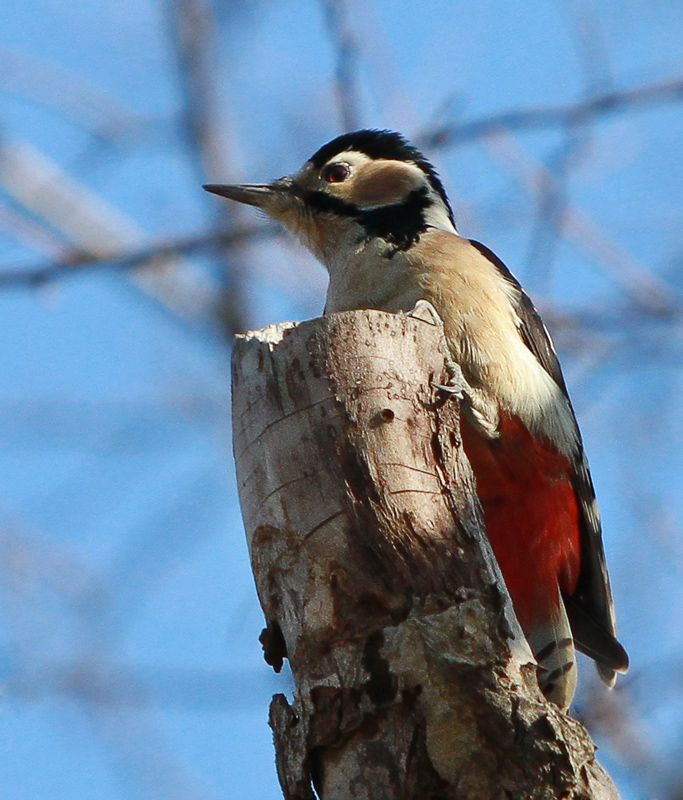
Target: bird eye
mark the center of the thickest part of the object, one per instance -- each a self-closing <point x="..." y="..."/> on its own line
<point x="336" y="173"/>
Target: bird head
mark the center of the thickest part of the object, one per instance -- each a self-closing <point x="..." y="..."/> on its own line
<point x="360" y="186"/>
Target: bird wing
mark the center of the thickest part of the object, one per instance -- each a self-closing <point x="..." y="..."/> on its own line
<point x="590" y="607"/>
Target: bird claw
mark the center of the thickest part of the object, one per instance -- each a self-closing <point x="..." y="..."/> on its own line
<point x="452" y="391"/>
<point x="457" y="386"/>
<point x="481" y="415"/>
<point x="425" y="311"/>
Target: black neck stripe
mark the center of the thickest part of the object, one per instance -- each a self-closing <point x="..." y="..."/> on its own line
<point x="399" y="224"/>
<point x="328" y="204"/>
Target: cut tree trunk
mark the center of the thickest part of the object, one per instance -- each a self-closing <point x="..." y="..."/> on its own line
<point x="413" y="679"/>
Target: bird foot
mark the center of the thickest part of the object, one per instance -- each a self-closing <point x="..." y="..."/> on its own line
<point x="425" y="311"/>
<point x="481" y="412"/>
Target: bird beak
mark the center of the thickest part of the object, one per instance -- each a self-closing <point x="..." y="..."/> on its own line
<point x="261" y="195"/>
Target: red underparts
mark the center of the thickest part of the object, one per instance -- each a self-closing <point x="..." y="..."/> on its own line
<point x="531" y="515"/>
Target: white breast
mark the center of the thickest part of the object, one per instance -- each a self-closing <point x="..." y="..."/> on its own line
<point x="477" y="305"/>
<point x="369" y="279"/>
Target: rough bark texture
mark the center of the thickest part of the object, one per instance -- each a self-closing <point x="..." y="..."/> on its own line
<point x="377" y="581"/>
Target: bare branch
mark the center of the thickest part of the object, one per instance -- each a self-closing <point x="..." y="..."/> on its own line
<point x="648" y="290"/>
<point x="571" y="114"/>
<point x="94" y="226"/>
<point x="134" y="741"/>
<point x="193" y="28"/>
<point x="127" y="686"/>
<point x="552" y="181"/>
<point x="39" y="184"/>
<point x="41" y="274"/>
<point x="346" y="46"/>
<point x="69" y="94"/>
<point x="591" y="45"/>
<point x="194" y="37"/>
<point x="21" y="226"/>
<point x="553" y="176"/>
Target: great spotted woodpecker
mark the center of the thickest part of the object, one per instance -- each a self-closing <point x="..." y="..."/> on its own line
<point x="374" y="211"/>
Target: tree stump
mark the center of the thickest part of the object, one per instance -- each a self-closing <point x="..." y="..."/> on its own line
<point x="413" y="679"/>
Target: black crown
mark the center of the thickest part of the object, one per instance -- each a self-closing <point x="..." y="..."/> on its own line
<point x="382" y="144"/>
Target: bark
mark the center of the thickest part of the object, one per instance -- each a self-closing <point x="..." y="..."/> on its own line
<point x="413" y="679"/>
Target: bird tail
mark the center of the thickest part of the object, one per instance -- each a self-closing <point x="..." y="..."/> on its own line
<point x="596" y="641"/>
<point x="553" y="646"/>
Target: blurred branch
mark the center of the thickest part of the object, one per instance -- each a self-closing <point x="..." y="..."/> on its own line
<point x="591" y="46"/>
<point x="126" y="686"/>
<point x="69" y="94"/>
<point x="193" y="33"/>
<point x="193" y="29"/>
<point x="41" y="274"/>
<point x="553" y="176"/>
<point x="337" y="17"/>
<point x="34" y="571"/>
<point x="109" y="124"/>
<point x="98" y="230"/>
<point x="552" y="199"/>
<point x="580" y="113"/>
<point x="18" y="223"/>
<point x="648" y="290"/>
<point x="611" y="714"/>
<point x="40" y="185"/>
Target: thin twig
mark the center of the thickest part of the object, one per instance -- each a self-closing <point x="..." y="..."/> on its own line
<point x="591" y="46"/>
<point x="194" y="36"/>
<point x="346" y="49"/>
<point x="69" y="94"/>
<point x="193" y="29"/>
<point x="648" y="290"/>
<point x="552" y="181"/>
<point x="554" y="175"/>
<point x="580" y="113"/>
<point x="41" y="274"/>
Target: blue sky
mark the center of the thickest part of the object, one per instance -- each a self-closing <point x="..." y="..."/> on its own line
<point x="129" y="658"/>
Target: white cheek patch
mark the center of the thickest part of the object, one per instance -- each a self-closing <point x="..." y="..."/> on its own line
<point x="384" y="183"/>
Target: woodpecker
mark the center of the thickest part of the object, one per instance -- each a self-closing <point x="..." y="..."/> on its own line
<point x="373" y="210"/>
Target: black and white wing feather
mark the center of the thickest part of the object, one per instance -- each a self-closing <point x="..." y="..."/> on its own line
<point x="590" y="608"/>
